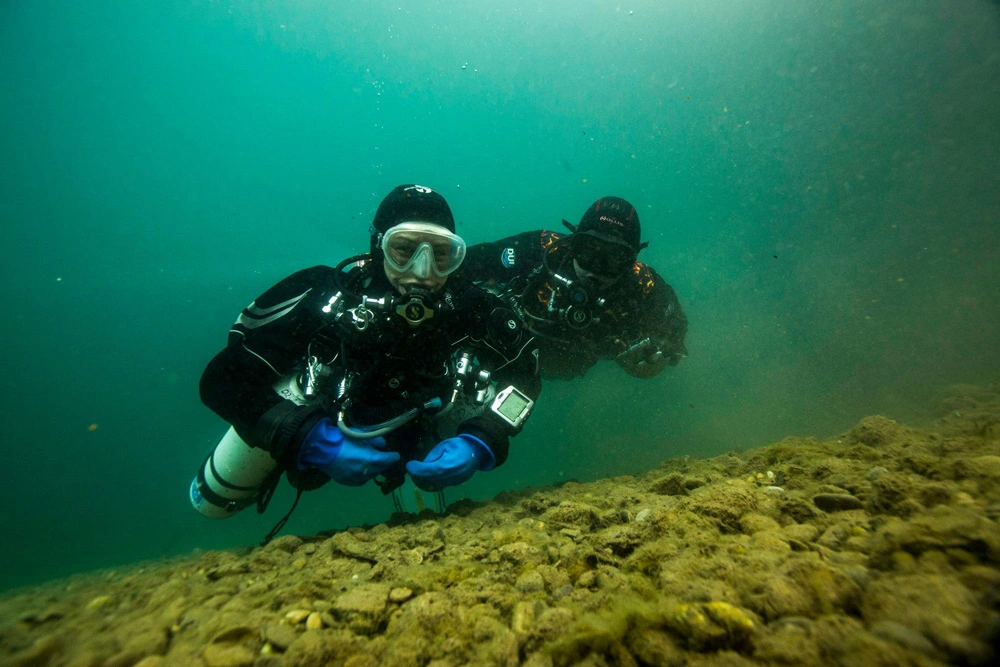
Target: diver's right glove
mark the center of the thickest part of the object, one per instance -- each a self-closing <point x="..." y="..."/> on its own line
<point x="346" y="460"/>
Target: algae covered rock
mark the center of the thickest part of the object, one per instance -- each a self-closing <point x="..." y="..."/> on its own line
<point x="655" y="647"/>
<point x="286" y="543"/>
<point x="349" y="545"/>
<point x="726" y="503"/>
<point x="711" y="625"/>
<point x="330" y="647"/>
<point x="280" y="635"/>
<point x="787" y="643"/>
<point x="753" y="522"/>
<point x="429" y="613"/>
<point x="622" y="540"/>
<point x="936" y="607"/>
<point x="671" y="485"/>
<point x="219" y="655"/>
<point x="770" y="541"/>
<point x="875" y="431"/>
<point x="530" y="582"/>
<point x="837" y="502"/>
<point x="941" y="528"/>
<point x="804" y="586"/>
<point x="573" y="515"/>
<point x="363" y="608"/>
<point x="658" y="634"/>
<point x="520" y="554"/>
<point x="143" y="642"/>
<point x="426" y="538"/>
<point x="894" y="493"/>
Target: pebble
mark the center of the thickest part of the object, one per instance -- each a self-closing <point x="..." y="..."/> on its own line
<point x="837" y="502"/>
<point x="563" y="591"/>
<point x="412" y="557"/>
<point x="963" y="498"/>
<point x="775" y="491"/>
<point x="643" y="515"/>
<point x="314" y="622"/>
<point x="280" y="635"/>
<point x="837" y="479"/>
<point x="530" y="582"/>
<point x="297" y="615"/>
<point x="803" y="532"/>
<point x="221" y="655"/>
<point x="875" y="473"/>
<point x="523" y="618"/>
<point x="798" y="623"/>
<point x="100" y="602"/>
<point x="401" y="594"/>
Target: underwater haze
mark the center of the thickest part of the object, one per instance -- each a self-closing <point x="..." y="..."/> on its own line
<point x="819" y="181"/>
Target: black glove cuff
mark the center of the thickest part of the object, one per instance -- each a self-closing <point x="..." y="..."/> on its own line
<point x="307" y="480"/>
<point x="282" y="428"/>
<point x="492" y="432"/>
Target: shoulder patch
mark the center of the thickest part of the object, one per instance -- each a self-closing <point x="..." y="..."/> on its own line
<point x="508" y="257"/>
<point x="645" y="276"/>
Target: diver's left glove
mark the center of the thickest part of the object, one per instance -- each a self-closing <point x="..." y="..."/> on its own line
<point x="346" y="460"/>
<point x="451" y="462"/>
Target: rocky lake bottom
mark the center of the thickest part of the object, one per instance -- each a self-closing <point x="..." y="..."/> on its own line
<point x="879" y="546"/>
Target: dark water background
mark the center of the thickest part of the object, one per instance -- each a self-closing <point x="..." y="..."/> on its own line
<point x="820" y="181"/>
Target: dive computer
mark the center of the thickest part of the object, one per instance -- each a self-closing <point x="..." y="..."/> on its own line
<point x="513" y="406"/>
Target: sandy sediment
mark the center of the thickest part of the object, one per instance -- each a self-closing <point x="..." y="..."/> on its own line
<point x="876" y="547"/>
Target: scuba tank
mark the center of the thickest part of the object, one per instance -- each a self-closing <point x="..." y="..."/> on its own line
<point x="231" y="477"/>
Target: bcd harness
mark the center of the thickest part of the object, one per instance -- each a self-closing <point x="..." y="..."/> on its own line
<point x="361" y="336"/>
<point x="567" y="304"/>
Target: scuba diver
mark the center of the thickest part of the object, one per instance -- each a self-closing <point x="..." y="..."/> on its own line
<point x="372" y="370"/>
<point x="584" y="296"/>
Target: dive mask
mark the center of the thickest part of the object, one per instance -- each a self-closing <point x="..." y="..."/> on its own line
<point x="420" y="248"/>
<point x="604" y="257"/>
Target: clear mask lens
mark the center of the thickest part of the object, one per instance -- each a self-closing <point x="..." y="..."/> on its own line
<point x="421" y="248"/>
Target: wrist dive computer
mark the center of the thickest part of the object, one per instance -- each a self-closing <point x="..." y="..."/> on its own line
<point x="513" y="406"/>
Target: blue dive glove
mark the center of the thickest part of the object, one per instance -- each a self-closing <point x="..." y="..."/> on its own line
<point x="346" y="460"/>
<point x="451" y="462"/>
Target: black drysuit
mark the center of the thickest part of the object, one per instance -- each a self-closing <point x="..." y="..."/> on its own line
<point x="578" y="325"/>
